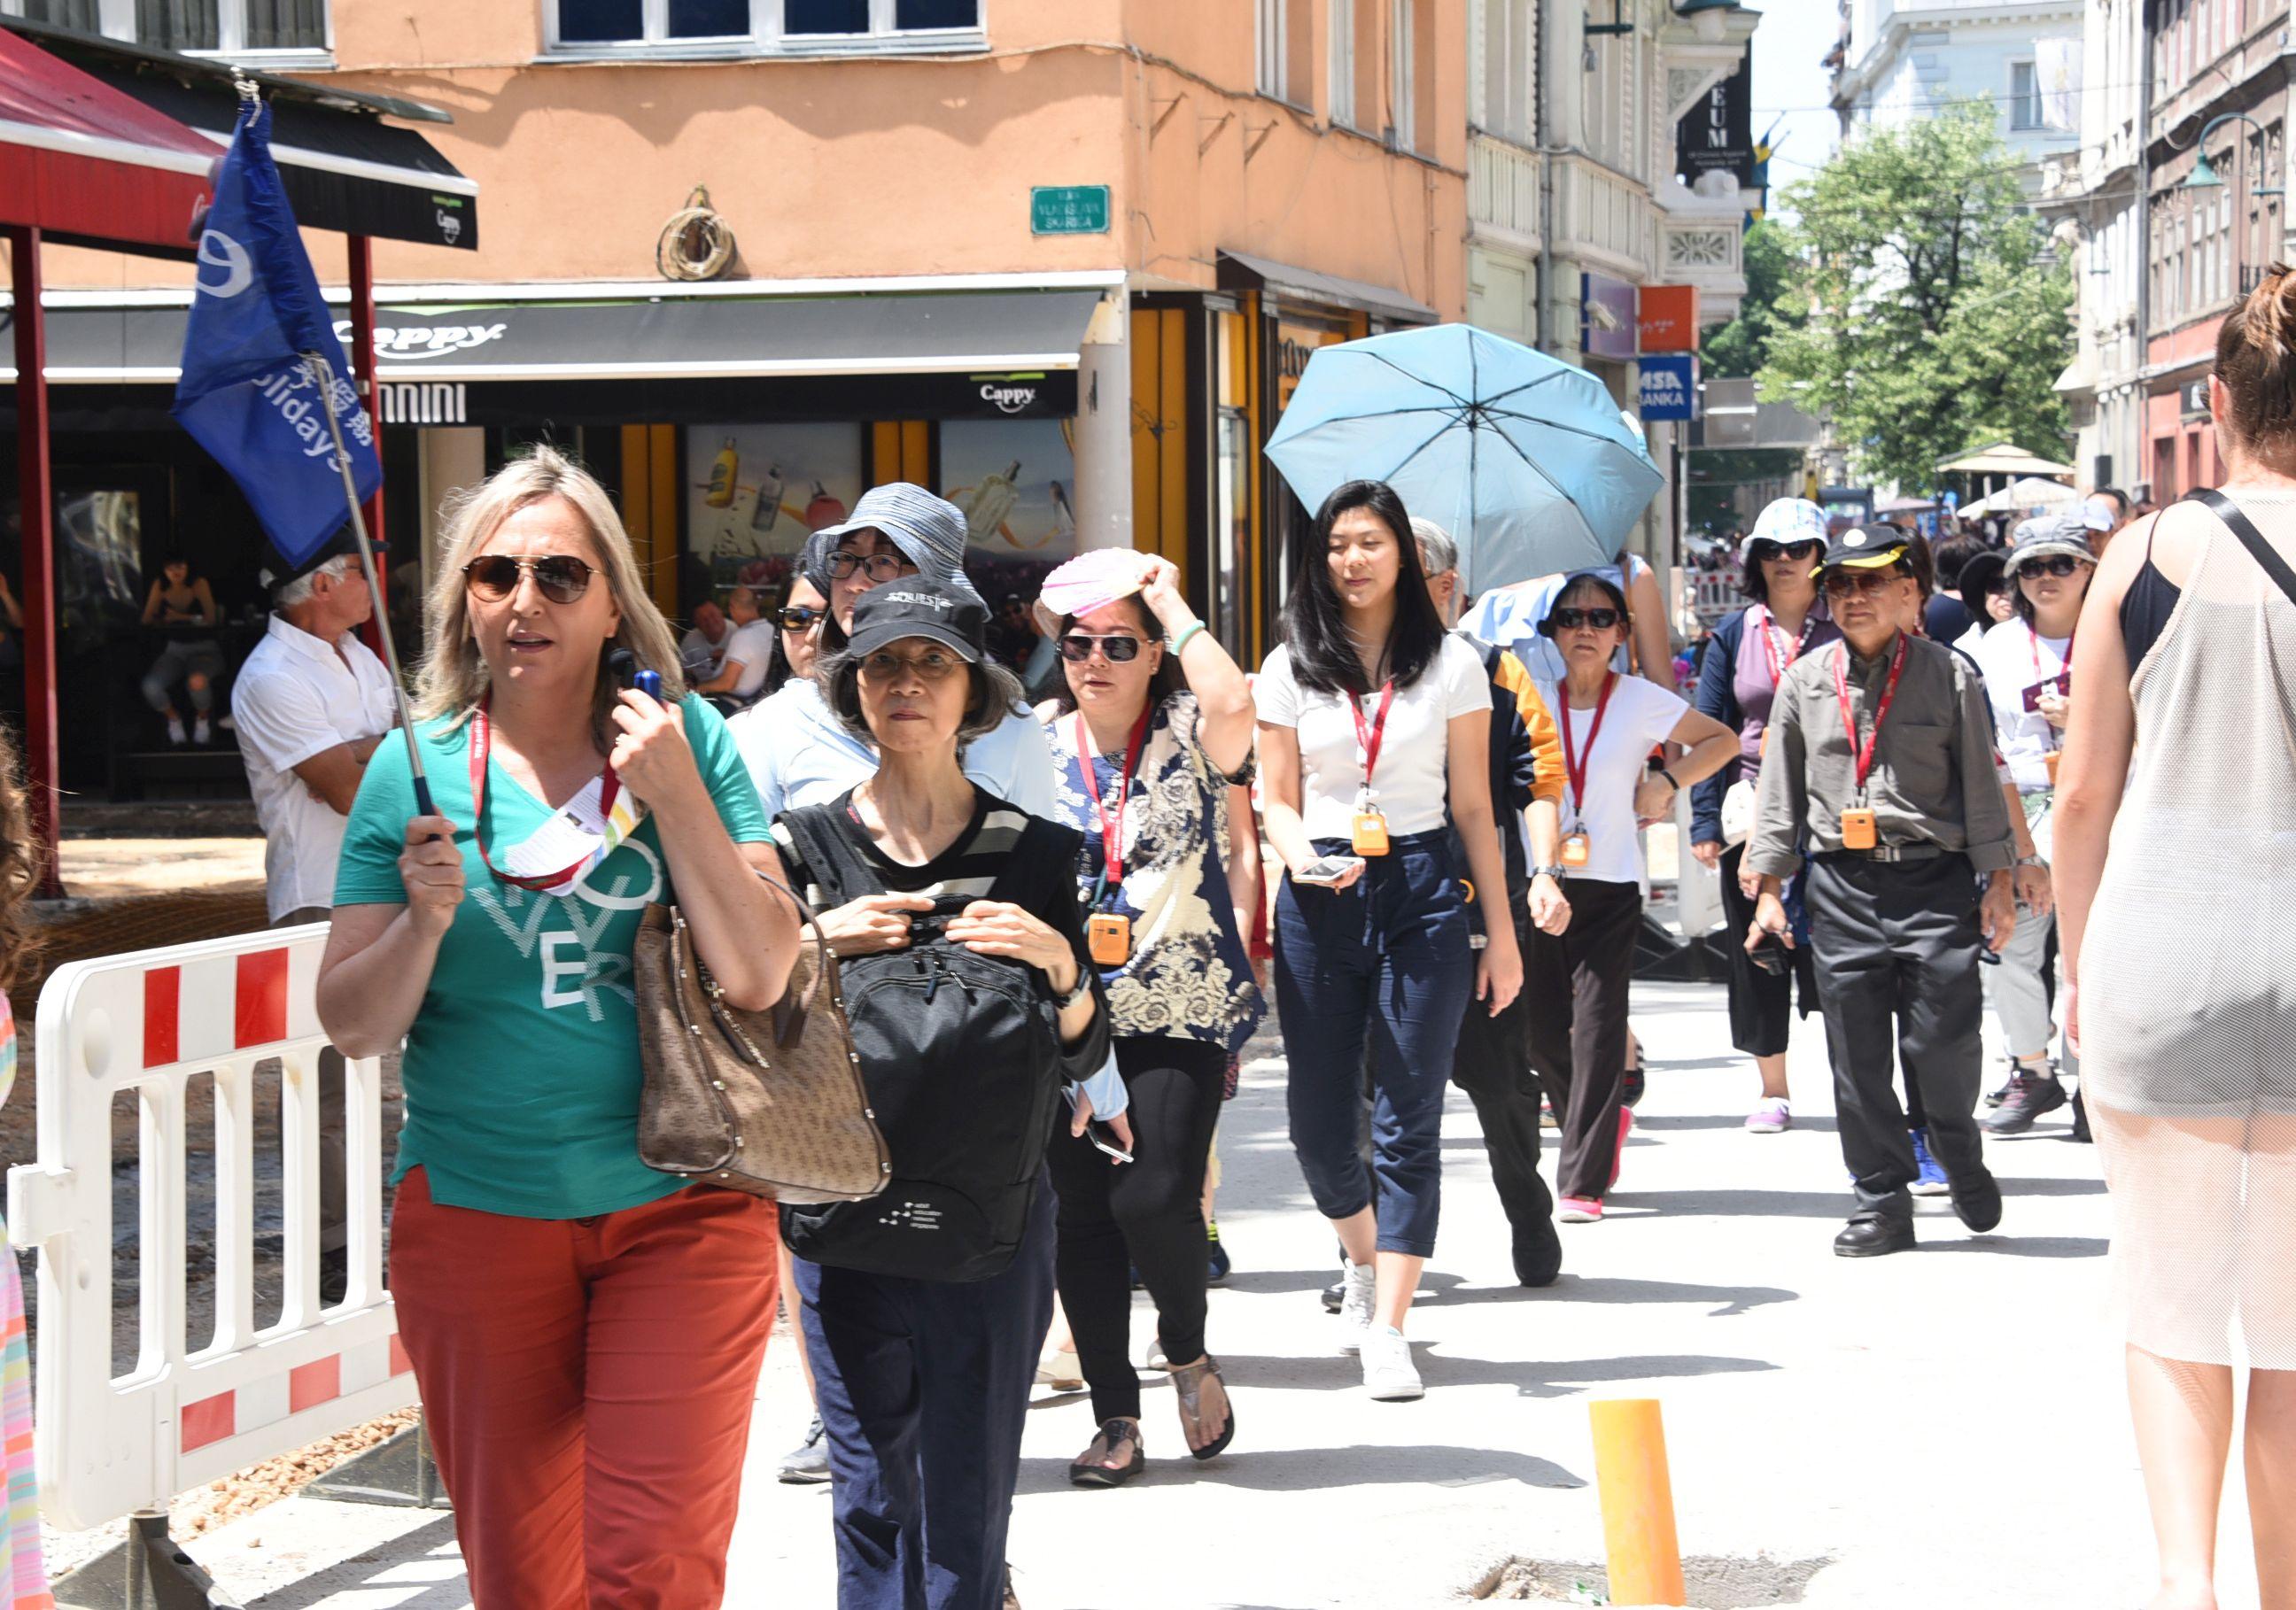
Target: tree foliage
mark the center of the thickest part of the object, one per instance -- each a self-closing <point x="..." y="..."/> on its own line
<point x="1922" y="316"/>
<point x="1737" y="350"/>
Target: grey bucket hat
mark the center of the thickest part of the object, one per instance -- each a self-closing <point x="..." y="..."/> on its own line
<point x="928" y="530"/>
<point x="2045" y="535"/>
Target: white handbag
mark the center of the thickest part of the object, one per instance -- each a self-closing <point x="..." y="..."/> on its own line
<point x="1738" y="813"/>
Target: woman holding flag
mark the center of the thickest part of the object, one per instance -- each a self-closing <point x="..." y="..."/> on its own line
<point x="586" y="1332"/>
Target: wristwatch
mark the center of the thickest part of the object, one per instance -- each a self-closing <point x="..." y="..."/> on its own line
<point x="1083" y="987"/>
<point x="2032" y="860"/>
<point x="1553" y="872"/>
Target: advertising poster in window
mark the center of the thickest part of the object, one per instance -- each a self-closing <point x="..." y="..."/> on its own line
<point x="1015" y="480"/>
<point x="756" y="492"/>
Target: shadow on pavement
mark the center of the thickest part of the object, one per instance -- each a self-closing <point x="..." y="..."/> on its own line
<point x="1661" y="1123"/>
<point x="1530" y="1377"/>
<point x="1613" y="1288"/>
<point x="1317" y="1470"/>
<point x="2025" y="1246"/>
<point x="416" y="1570"/>
<point x="2052" y="1188"/>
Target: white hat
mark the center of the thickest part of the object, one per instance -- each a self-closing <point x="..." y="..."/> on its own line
<point x="1786" y="520"/>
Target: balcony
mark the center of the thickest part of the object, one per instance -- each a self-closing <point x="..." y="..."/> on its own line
<point x="1701" y="242"/>
<point x="1603" y="219"/>
<point x="1503" y="194"/>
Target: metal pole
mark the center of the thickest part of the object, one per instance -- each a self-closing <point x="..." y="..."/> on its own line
<point x="36" y="495"/>
<point x="362" y="267"/>
<point x="325" y="375"/>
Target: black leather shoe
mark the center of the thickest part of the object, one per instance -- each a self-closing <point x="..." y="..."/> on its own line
<point x="1870" y="1236"/>
<point x="1538" y="1252"/>
<point x="1978" y="1201"/>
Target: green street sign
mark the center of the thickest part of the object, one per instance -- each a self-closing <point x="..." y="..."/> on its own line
<point x="1068" y="209"/>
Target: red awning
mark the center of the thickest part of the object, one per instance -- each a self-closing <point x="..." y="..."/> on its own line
<point x="81" y="160"/>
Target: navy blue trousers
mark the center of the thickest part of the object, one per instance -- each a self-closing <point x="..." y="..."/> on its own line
<point x="1385" y="964"/>
<point x="924" y="1388"/>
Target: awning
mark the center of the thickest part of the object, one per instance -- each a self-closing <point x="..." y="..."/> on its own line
<point x="1239" y="271"/>
<point x="2002" y="458"/>
<point x="344" y="168"/>
<point x="2031" y="493"/>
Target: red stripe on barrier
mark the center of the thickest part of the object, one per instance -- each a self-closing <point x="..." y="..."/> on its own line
<point x="209" y="1420"/>
<point x="399" y="1362"/>
<point x="259" y="1006"/>
<point x="161" y="986"/>
<point x="320" y="1381"/>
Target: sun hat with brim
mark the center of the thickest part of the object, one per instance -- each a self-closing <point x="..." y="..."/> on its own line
<point x="1864" y="548"/>
<point x="1092" y="580"/>
<point x="928" y="530"/>
<point x="1785" y="521"/>
<point x="916" y="606"/>
<point x="2047" y="534"/>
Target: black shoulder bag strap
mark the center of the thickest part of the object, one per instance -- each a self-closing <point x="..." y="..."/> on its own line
<point x="2265" y="554"/>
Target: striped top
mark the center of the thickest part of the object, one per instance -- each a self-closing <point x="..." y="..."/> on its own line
<point x="959" y="876"/>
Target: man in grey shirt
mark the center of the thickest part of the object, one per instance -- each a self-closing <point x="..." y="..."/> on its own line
<point x="1879" y="761"/>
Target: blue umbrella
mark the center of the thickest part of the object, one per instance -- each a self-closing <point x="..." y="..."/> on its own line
<point x="1526" y="459"/>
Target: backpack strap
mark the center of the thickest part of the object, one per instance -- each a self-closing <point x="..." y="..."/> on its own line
<point x="829" y="856"/>
<point x="2265" y="554"/>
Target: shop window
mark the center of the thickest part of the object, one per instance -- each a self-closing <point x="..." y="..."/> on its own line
<point x="797" y="26"/>
<point x="757" y="491"/>
<point x="228" y="27"/>
<point x="1014" y="479"/>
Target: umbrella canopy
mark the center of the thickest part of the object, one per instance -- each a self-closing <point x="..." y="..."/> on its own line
<point x="1527" y="459"/>
<point x="2002" y="458"/>
<point x="2031" y="493"/>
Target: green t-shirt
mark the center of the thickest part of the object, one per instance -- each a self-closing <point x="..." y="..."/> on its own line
<point x="521" y="1069"/>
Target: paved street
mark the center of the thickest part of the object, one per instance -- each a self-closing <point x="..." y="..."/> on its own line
<point x="1938" y="1428"/>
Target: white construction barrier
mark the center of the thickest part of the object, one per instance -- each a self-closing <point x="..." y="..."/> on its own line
<point x="152" y="1022"/>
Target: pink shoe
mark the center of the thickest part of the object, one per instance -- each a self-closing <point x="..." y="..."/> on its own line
<point x="1580" y="1210"/>
<point x="1619" y="1158"/>
<point x="1774" y="1116"/>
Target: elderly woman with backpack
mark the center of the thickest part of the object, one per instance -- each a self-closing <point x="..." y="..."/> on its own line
<point x="972" y="997"/>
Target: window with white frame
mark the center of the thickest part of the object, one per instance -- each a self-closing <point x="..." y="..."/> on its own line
<point x="230" y="27"/>
<point x="1402" y="56"/>
<point x="1272" y="41"/>
<point x="1506" y="82"/>
<point x="2024" y="96"/>
<point x="800" y="26"/>
<point x="1343" y="63"/>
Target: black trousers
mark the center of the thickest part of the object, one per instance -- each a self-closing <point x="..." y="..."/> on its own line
<point x="1896" y="945"/>
<point x="1492" y="1064"/>
<point x="1761" y="1003"/>
<point x="1576" y="987"/>
<point x="1148" y="1213"/>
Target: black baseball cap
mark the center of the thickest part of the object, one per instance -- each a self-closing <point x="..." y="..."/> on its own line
<point x="914" y="607"/>
<point x="1864" y="548"/>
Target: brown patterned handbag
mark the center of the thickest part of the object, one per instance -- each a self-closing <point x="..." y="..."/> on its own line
<point x="769" y="1102"/>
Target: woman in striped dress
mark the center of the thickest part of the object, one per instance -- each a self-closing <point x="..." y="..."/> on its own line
<point x="23" y="1578"/>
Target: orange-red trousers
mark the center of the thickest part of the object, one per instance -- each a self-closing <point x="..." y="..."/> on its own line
<point x="588" y="1385"/>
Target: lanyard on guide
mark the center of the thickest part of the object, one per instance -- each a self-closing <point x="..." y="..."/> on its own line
<point x="578" y="834"/>
<point x="1574" y="764"/>
<point x="1111" y="824"/>
<point x="1370" y="734"/>
<point x="1863" y="758"/>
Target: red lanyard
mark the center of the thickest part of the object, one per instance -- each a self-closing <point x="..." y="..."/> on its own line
<point x="481" y="741"/>
<point x="1368" y="735"/>
<point x="1112" y="827"/>
<point x="1780" y="660"/>
<point x="1574" y="764"/>
<point x="2064" y="667"/>
<point x="1863" y="756"/>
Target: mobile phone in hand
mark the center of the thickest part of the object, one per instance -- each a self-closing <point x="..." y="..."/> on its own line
<point x="1769" y="953"/>
<point x="1326" y="869"/>
<point x="1104" y="1136"/>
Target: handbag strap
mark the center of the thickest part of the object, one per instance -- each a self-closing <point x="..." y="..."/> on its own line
<point x="2265" y="554"/>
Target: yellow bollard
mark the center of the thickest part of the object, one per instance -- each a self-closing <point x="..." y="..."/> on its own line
<point x="1645" y="1556"/>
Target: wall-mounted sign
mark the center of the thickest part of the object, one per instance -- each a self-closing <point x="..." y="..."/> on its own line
<point x="1068" y="209"/>
<point x="1669" y="386"/>
<point x="1666" y="318"/>
<point x="1715" y="134"/>
<point x="422" y="402"/>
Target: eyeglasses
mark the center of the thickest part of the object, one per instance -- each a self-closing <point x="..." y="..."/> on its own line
<point x="1601" y="620"/>
<point x="1801" y="553"/>
<point x="934" y="664"/>
<point x="561" y="577"/>
<point x="877" y="567"/>
<point x="798" y="617"/>
<point x="1077" y="647"/>
<point x="1849" y="584"/>
<point x="2056" y="564"/>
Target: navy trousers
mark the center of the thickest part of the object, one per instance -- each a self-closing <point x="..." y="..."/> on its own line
<point x="923" y="1388"/>
<point x="1385" y="962"/>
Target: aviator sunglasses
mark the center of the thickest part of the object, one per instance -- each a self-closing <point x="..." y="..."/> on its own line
<point x="1077" y="647"/>
<point x="1601" y="620"/>
<point x="561" y="577"/>
<point x="1846" y="583"/>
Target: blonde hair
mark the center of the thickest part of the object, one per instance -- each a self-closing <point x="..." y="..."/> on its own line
<point x="453" y="677"/>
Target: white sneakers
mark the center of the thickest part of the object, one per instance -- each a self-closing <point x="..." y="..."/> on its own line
<point x="201" y="733"/>
<point x="1359" y="1285"/>
<point x="1388" y="1376"/>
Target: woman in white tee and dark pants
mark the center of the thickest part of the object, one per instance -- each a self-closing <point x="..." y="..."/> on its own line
<point x="1577" y="980"/>
<point x="1372" y="718"/>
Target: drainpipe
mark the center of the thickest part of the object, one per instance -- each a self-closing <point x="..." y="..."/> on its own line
<point x="2143" y="221"/>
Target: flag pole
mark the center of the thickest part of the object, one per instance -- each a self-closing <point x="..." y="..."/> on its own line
<point x="324" y="374"/>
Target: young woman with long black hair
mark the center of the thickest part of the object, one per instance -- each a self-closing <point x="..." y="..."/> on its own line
<point x="1371" y="717"/>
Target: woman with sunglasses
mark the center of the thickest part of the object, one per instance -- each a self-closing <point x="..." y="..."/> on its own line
<point x="586" y="1332"/>
<point x="1749" y="653"/>
<point x="1371" y="715"/>
<point x="1577" y="979"/>
<point x="797" y="635"/>
<point x="2028" y="680"/>
<point x="1153" y="728"/>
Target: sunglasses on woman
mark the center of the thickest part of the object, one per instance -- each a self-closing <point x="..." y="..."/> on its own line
<point x="1077" y="647"/>
<point x="1601" y="620"/>
<point x="1803" y="553"/>
<point x="560" y="576"/>
<point x="797" y="618"/>
<point x="877" y="567"/>
<point x="2057" y="564"/>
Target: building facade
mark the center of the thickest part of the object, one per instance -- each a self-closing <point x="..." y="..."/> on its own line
<point x="1902" y="60"/>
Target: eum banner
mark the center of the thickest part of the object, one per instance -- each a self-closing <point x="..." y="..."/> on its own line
<point x="259" y="341"/>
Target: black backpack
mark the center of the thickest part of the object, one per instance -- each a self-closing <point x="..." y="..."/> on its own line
<point x="961" y="1056"/>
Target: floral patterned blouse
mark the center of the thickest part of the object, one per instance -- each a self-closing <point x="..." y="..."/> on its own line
<point x="1189" y="976"/>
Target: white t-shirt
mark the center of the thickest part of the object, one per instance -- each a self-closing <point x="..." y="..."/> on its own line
<point x="1640" y="716"/>
<point x="702" y="658"/>
<point x="1411" y="784"/>
<point x="753" y="646"/>
<point x="2014" y="657"/>
<point x="295" y="697"/>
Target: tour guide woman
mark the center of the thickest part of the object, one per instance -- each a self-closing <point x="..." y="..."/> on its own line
<point x="1750" y="653"/>
<point x="1577" y="979"/>
<point x="923" y="1377"/>
<point x="585" y="1331"/>
<point x="1144" y="767"/>
<point x="1369" y="716"/>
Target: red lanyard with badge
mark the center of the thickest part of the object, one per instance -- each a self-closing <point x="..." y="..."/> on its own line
<point x="1782" y="659"/>
<point x="578" y="834"/>
<point x="2063" y="682"/>
<point x="1108" y="935"/>
<point x="1370" y="836"/>
<point x="1577" y="849"/>
<point x="1857" y="829"/>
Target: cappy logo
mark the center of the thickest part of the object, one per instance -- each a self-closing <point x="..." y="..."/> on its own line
<point x="219" y="250"/>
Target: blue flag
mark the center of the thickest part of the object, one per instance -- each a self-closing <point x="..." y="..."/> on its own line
<point x="246" y="394"/>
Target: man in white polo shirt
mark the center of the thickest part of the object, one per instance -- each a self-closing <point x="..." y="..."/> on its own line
<point x="310" y="705"/>
<point x="747" y="655"/>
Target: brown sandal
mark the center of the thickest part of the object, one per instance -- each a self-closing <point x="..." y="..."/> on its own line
<point x="1187" y="1387"/>
<point x="1089" y="1468"/>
